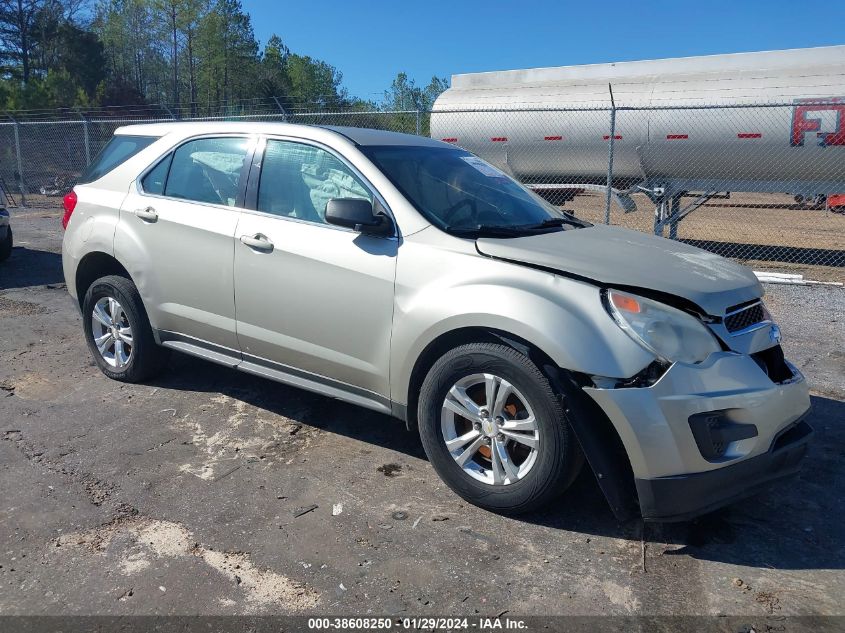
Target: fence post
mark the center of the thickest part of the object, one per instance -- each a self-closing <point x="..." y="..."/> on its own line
<point x="610" y="155"/>
<point x="86" y="137"/>
<point x="674" y="210"/>
<point x="418" y="123"/>
<point x="20" y="179"/>
<point x="281" y="109"/>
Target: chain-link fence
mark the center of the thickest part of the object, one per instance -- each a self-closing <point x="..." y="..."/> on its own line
<point x="761" y="182"/>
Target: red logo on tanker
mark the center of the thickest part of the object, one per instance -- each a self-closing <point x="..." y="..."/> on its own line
<point x="825" y="118"/>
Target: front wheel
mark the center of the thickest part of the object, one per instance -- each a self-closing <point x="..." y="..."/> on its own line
<point x="495" y="431"/>
<point x="118" y="331"/>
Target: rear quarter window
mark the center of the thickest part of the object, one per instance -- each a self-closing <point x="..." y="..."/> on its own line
<point x="116" y="152"/>
<point x="155" y="179"/>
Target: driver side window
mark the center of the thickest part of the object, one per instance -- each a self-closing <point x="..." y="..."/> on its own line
<point x="298" y="180"/>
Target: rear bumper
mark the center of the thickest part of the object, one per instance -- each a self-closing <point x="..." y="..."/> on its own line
<point x="682" y="497"/>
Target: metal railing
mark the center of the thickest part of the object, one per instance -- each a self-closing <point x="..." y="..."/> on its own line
<point x="760" y="182"/>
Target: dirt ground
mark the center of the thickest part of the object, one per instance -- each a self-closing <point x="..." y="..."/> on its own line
<point x="209" y="491"/>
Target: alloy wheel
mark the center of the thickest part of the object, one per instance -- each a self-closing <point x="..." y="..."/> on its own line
<point x="112" y="332"/>
<point x="490" y="429"/>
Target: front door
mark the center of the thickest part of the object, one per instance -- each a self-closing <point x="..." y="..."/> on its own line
<point x="314" y="298"/>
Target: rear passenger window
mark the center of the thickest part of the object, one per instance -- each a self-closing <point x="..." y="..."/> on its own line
<point x="207" y="170"/>
<point x="298" y="180"/>
<point x="116" y="152"/>
<point x="153" y="182"/>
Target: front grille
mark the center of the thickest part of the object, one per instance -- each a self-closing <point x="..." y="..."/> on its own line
<point x="745" y="317"/>
<point x="774" y="364"/>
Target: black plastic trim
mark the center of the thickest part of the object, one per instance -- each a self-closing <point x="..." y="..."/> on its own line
<point x="601" y="445"/>
<point x="714" y="431"/>
<point x="272" y="370"/>
<point x="682" y="497"/>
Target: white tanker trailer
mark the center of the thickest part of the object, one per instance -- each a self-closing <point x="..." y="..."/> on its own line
<point x="551" y="127"/>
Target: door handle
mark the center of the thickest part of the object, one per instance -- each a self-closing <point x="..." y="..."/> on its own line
<point x="258" y="242"/>
<point x="149" y="214"/>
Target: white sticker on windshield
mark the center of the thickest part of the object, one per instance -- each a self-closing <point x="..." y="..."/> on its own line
<point x="484" y="168"/>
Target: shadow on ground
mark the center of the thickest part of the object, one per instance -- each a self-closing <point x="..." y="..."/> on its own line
<point x="791" y="526"/>
<point x="28" y="267"/>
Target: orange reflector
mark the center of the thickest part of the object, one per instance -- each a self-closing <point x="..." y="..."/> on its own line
<point x="625" y="303"/>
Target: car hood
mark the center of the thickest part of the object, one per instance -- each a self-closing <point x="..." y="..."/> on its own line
<point x="621" y="257"/>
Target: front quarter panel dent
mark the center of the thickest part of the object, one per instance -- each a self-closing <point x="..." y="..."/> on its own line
<point x="562" y="318"/>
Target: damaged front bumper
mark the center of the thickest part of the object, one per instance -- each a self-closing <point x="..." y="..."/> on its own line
<point x="705" y="435"/>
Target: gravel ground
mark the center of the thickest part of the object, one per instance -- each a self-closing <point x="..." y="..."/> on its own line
<point x="769" y="230"/>
<point x="213" y="492"/>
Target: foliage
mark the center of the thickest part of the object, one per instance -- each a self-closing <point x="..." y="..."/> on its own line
<point x="200" y="55"/>
<point x="404" y="94"/>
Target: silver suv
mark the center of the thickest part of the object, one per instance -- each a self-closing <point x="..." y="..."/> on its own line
<point x="410" y="277"/>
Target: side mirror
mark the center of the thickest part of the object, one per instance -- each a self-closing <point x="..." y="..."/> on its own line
<point x="356" y="214"/>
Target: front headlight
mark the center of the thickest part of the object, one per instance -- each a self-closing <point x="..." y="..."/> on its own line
<point x="668" y="333"/>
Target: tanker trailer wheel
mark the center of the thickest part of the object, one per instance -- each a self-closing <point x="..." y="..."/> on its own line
<point x="819" y="201"/>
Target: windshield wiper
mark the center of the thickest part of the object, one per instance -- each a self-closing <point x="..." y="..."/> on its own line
<point x="514" y="230"/>
<point x="552" y="222"/>
<point x="489" y="230"/>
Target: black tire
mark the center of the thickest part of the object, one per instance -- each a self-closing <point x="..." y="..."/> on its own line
<point x="559" y="457"/>
<point x="146" y="358"/>
<point x="6" y="245"/>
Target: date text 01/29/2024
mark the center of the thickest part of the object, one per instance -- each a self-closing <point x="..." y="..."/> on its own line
<point x="421" y="623"/>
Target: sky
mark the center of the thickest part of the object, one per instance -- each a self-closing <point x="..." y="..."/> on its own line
<point x="370" y="41"/>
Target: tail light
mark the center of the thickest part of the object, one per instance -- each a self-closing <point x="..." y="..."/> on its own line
<point x="69" y="203"/>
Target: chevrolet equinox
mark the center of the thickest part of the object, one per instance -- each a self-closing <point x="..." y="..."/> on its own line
<point x="408" y="276"/>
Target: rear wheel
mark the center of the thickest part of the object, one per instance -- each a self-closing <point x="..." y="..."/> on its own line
<point x="6" y="245"/>
<point x="118" y="331"/>
<point x="495" y="431"/>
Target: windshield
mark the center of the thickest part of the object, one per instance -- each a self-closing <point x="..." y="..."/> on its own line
<point x="117" y="151"/>
<point x="463" y="195"/>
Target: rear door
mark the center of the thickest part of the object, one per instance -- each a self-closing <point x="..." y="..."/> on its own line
<point x="179" y="226"/>
<point x="313" y="299"/>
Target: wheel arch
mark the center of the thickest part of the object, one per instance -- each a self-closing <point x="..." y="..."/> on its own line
<point x="599" y="439"/>
<point x="91" y="267"/>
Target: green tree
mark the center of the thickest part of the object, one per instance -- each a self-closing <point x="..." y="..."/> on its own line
<point x="228" y="52"/>
<point x="404" y="94"/>
<point x="191" y="16"/>
<point x="17" y="22"/>
<point x="273" y="74"/>
<point x="315" y="83"/>
<point x="130" y="32"/>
